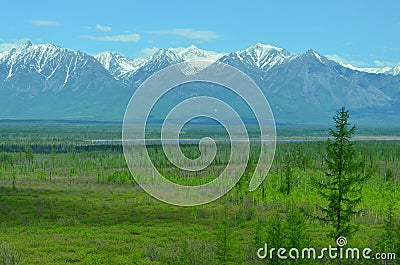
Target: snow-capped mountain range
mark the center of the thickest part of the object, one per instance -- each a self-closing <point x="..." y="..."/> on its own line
<point x="45" y="80"/>
<point x="373" y="70"/>
<point x="39" y="68"/>
<point x="261" y="56"/>
<point x="47" y="59"/>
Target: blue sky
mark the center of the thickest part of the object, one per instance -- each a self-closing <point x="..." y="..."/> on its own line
<point x="366" y="33"/>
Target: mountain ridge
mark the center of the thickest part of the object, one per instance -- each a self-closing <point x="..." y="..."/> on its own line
<point x="98" y="87"/>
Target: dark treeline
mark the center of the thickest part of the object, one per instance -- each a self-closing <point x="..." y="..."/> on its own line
<point x="59" y="148"/>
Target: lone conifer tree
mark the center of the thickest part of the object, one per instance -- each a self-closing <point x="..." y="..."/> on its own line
<point x="343" y="183"/>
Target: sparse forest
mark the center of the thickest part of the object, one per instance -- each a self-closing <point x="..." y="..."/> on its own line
<point x="65" y="198"/>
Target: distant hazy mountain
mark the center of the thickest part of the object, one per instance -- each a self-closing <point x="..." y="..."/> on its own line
<point x="49" y="82"/>
<point x="384" y="70"/>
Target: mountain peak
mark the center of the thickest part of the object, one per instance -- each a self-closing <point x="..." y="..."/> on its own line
<point x="259" y="45"/>
<point x="371" y="70"/>
<point x="395" y="70"/>
<point x="267" y="48"/>
<point x="44" y="49"/>
<point x="165" y="55"/>
<point x="27" y="44"/>
<point x="313" y="54"/>
<point x="106" y="53"/>
<point x="58" y="78"/>
<point x="117" y="64"/>
<point x="193" y="53"/>
<point x="311" y="51"/>
<point x="163" y="52"/>
<point x="262" y="56"/>
<point x="160" y="51"/>
<point x="193" y="47"/>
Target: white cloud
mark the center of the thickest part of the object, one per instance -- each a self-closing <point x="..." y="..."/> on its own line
<point x="10" y="45"/>
<point x="120" y="38"/>
<point x="45" y="23"/>
<point x="385" y="63"/>
<point x="103" y="28"/>
<point x="148" y="51"/>
<point x="189" y="34"/>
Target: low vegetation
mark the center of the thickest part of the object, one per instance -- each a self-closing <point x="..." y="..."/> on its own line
<point x="66" y="199"/>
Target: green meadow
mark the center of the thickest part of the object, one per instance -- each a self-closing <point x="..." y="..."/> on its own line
<point x="66" y="199"/>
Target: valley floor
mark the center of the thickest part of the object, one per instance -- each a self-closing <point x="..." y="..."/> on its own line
<point x="64" y="199"/>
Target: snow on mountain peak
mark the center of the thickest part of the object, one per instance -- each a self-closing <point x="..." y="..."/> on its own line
<point x="193" y="53"/>
<point x="3" y="55"/>
<point x="47" y="60"/>
<point x="42" y="52"/>
<point x="264" y="56"/>
<point x="159" y="60"/>
<point x="262" y="46"/>
<point x="27" y="44"/>
<point x="372" y="70"/>
<point x="118" y="65"/>
<point x="395" y="70"/>
<point x="105" y="59"/>
<point x="165" y="54"/>
<point x="314" y="54"/>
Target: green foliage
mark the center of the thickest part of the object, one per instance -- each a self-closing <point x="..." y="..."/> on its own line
<point x="296" y="234"/>
<point x="286" y="230"/>
<point x="343" y="183"/>
<point x="224" y="236"/>
<point x="276" y="235"/>
<point x="9" y="255"/>
<point x="120" y="177"/>
<point x="389" y="175"/>
<point x="29" y="154"/>
<point x="287" y="180"/>
<point x="390" y="239"/>
<point x="77" y="202"/>
<point x="196" y="253"/>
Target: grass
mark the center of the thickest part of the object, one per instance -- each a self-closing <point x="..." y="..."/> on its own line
<point x="75" y="203"/>
<point x="90" y="223"/>
<point x="59" y="222"/>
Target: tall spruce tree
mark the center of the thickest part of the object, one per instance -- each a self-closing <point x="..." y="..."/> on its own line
<point x="343" y="183"/>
